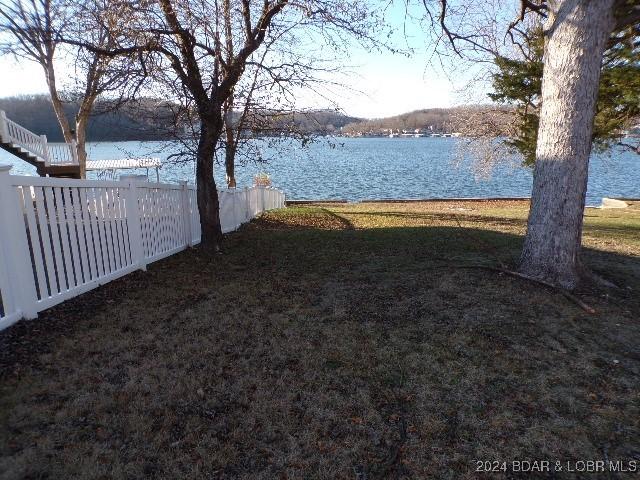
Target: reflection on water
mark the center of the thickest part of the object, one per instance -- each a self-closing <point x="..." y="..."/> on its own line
<point x="377" y="168"/>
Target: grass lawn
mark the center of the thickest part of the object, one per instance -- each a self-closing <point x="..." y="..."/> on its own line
<point x="334" y="342"/>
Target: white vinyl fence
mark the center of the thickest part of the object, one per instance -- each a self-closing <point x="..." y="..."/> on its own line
<point x="60" y="237"/>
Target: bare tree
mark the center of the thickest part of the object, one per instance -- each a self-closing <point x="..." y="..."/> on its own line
<point x="33" y="26"/>
<point x="480" y="129"/>
<point x="35" y="30"/>
<point x="264" y="104"/>
<point x="192" y="66"/>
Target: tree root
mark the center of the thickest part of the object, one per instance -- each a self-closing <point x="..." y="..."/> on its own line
<point x="568" y="295"/>
<point x="503" y="269"/>
<point x="599" y="280"/>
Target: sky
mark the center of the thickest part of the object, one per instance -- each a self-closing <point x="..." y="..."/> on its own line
<point x="379" y="86"/>
<point x="385" y="85"/>
<point x="391" y="84"/>
<point x="377" y="83"/>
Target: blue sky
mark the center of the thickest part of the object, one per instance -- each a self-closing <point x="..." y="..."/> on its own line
<point x="378" y="83"/>
<point x="391" y="84"/>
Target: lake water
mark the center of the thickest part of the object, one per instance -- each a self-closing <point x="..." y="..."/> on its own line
<point x="377" y="168"/>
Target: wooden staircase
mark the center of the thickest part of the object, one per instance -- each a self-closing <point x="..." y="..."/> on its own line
<point x="50" y="159"/>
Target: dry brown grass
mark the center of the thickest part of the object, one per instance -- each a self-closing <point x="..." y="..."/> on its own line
<point x="338" y="341"/>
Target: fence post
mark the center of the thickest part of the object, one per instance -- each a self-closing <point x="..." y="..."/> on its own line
<point x="247" y="204"/>
<point x="4" y="128"/>
<point x="135" y="228"/>
<point x="73" y="146"/>
<point x="254" y="201"/>
<point x="45" y="150"/>
<point x="14" y="247"/>
<point x="186" y="213"/>
<point x="241" y="206"/>
<point x="234" y="206"/>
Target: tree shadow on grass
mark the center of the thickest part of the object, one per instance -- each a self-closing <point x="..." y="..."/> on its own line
<point x="444" y="217"/>
<point x="271" y="245"/>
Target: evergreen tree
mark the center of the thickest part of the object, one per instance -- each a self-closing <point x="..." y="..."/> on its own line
<point x="518" y="82"/>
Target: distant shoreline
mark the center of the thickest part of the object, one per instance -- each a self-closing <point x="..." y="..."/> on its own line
<point x="412" y="200"/>
<point x="461" y="200"/>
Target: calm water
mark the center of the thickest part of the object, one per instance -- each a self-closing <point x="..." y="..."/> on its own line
<point x="378" y="168"/>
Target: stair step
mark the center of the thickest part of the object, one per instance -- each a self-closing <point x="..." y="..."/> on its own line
<point x="62" y="170"/>
<point x="23" y="154"/>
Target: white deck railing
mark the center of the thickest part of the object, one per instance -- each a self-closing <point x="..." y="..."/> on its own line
<point x="62" y="154"/>
<point x="37" y="145"/>
<point x="60" y="237"/>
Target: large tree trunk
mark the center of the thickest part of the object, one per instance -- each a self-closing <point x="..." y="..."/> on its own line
<point x="81" y="143"/>
<point x="82" y="120"/>
<point x="230" y="150"/>
<point x="56" y="102"/>
<point x="230" y="158"/>
<point x="576" y="34"/>
<point x="207" y="193"/>
<point x="67" y="132"/>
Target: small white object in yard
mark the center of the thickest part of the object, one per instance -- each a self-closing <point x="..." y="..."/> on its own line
<point x="616" y="361"/>
<point x="613" y="203"/>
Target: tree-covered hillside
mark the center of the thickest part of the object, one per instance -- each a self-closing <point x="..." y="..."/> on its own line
<point x="35" y="113"/>
<point x="144" y="120"/>
<point x="466" y="120"/>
